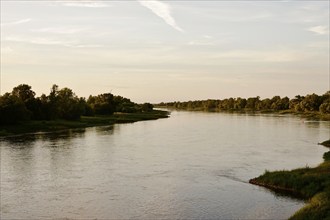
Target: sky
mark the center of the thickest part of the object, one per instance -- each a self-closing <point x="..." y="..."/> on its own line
<point x="155" y="51"/>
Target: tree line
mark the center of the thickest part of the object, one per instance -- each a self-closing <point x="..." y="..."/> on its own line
<point x="22" y="104"/>
<point x="299" y="104"/>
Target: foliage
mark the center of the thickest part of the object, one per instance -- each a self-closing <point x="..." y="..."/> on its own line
<point x="12" y="109"/>
<point x="318" y="208"/>
<point x="70" y="106"/>
<point x="21" y="104"/>
<point x="299" y="104"/>
<point x="102" y="104"/>
<point x="147" y="107"/>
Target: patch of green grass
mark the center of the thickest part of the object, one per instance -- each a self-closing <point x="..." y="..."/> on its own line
<point x="305" y="181"/>
<point x="317" y="208"/>
<point x="310" y="183"/>
<point x="85" y="121"/>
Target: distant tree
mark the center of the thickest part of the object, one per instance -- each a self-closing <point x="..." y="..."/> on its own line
<point x="147" y="107"/>
<point x="240" y="103"/>
<point x="226" y="104"/>
<point x="70" y="107"/>
<point x="124" y="105"/>
<point x="210" y="104"/>
<point x="12" y="109"/>
<point x="276" y="103"/>
<point x="311" y="103"/>
<point x="23" y="92"/>
<point x="88" y="110"/>
<point x="325" y="107"/>
<point x="265" y="104"/>
<point x="190" y="105"/>
<point x="52" y="103"/>
<point x="102" y="104"/>
<point x="285" y="103"/>
<point x="279" y="103"/>
<point x="252" y="103"/>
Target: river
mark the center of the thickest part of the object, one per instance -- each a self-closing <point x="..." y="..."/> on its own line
<point x="193" y="165"/>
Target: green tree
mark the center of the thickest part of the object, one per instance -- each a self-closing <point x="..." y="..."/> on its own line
<point x="325" y="107"/>
<point x="23" y="92"/>
<point x="240" y="103"/>
<point x="12" y="109"/>
<point x="311" y="103"/>
<point x="52" y="103"/>
<point x="124" y="105"/>
<point x="210" y="105"/>
<point x="147" y="107"/>
<point x="252" y="103"/>
<point x="102" y="104"/>
<point x="70" y="107"/>
<point x="265" y="104"/>
<point x="294" y="103"/>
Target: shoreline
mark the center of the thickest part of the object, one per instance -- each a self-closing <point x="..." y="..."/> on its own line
<point x="312" y="184"/>
<point x="307" y="115"/>
<point x="32" y="127"/>
<point x="276" y="188"/>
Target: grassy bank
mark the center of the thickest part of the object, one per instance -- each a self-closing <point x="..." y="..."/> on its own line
<point x="56" y="125"/>
<point x="312" y="184"/>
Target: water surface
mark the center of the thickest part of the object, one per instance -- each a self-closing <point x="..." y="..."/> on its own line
<point x="189" y="166"/>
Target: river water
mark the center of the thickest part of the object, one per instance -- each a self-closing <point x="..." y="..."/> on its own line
<point x="192" y="165"/>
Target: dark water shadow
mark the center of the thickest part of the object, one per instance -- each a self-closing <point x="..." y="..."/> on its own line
<point x="105" y="130"/>
<point x="25" y="140"/>
<point x="288" y="195"/>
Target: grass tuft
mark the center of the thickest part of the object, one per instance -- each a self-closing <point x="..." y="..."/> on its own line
<point x="309" y="183"/>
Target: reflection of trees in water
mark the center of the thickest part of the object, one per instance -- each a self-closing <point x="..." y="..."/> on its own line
<point x="54" y="139"/>
<point x="283" y="195"/>
<point x="317" y="124"/>
<point x="27" y="140"/>
<point x="105" y="130"/>
<point x="63" y="135"/>
<point x="21" y="141"/>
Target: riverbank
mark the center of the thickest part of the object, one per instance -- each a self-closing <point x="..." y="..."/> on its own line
<point x="312" y="115"/>
<point x="312" y="184"/>
<point x="85" y="121"/>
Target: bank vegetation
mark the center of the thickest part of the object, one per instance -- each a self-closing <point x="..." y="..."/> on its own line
<point x="311" y="184"/>
<point x="310" y="105"/>
<point x="22" y="112"/>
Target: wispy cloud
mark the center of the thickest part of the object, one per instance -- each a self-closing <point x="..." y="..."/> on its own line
<point x="6" y="50"/>
<point x="38" y="40"/>
<point x="163" y="11"/>
<point x="207" y="36"/>
<point x="260" y="56"/>
<point x="320" y="44"/>
<point x="22" y="21"/>
<point x="87" y="45"/>
<point x="60" y="30"/>
<point x="321" y="30"/>
<point x="204" y="40"/>
<point x="54" y="42"/>
<point x="85" y="4"/>
<point x="200" y="43"/>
